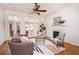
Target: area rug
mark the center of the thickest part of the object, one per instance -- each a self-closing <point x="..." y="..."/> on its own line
<point x="48" y="48"/>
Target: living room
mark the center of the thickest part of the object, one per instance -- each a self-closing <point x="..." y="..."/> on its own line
<point x="41" y="28"/>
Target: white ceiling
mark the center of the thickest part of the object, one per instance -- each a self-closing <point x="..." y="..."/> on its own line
<point x="28" y="7"/>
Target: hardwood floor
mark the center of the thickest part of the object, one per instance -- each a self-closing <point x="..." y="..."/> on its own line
<point x="4" y="49"/>
<point x="70" y="49"/>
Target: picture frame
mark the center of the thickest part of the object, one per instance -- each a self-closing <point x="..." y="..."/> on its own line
<point x="58" y="21"/>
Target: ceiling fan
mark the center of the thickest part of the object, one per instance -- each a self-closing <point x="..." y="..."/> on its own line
<point x="37" y="10"/>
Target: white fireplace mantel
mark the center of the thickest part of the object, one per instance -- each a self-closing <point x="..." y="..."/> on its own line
<point x="58" y="28"/>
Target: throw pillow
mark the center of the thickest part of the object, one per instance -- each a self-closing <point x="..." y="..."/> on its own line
<point x="24" y="39"/>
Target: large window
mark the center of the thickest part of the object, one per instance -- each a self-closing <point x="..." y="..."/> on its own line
<point x="16" y="25"/>
<point x="29" y="25"/>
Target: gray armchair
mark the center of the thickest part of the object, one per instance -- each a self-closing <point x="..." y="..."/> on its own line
<point x="21" y="48"/>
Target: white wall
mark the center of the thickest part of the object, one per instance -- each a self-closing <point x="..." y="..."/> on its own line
<point x="49" y="26"/>
<point x="2" y="26"/>
<point x="71" y="15"/>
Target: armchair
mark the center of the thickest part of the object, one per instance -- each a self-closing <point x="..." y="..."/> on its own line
<point x="59" y="41"/>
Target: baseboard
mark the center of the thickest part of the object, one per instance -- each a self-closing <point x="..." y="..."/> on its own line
<point x="2" y="42"/>
<point x="72" y="43"/>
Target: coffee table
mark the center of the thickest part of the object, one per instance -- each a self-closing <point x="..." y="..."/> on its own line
<point x="40" y="40"/>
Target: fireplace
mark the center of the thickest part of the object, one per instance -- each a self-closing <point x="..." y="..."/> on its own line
<point x="55" y="34"/>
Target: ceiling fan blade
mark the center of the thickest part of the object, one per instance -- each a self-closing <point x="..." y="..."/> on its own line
<point x="38" y="13"/>
<point x="42" y="10"/>
<point x="34" y="12"/>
